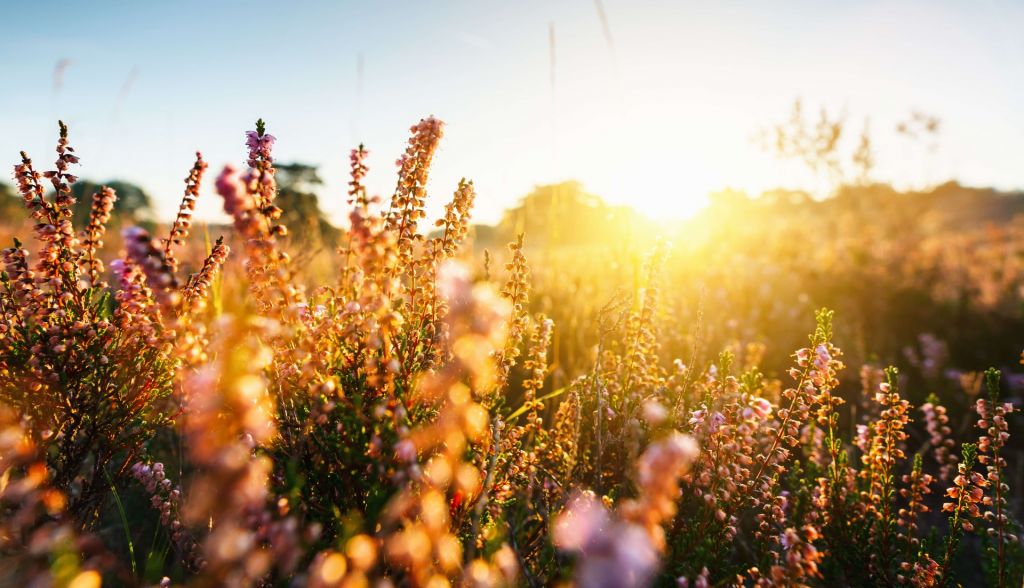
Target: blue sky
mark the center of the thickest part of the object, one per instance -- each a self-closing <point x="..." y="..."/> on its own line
<point x="657" y="118"/>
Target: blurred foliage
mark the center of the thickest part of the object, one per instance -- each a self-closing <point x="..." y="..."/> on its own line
<point x="948" y="261"/>
<point x="11" y="209"/>
<point x="566" y="215"/>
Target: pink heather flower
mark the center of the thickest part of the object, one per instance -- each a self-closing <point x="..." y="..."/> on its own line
<point x="717" y="420"/>
<point x="670" y="457"/>
<point x="118" y="267"/>
<point x="863" y="441"/>
<point x="581" y="523"/>
<point x="613" y="552"/>
<point x="760" y="407"/>
<point x="229" y="186"/>
<point x="316" y="312"/>
<point x="405" y="450"/>
<point x="625" y="558"/>
<point x="700" y="582"/>
<point x="802" y="355"/>
<point x="259" y="146"/>
<point x="788" y="538"/>
<point x="823" y="357"/>
<point x="654" y="412"/>
<point x="697" y="417"/>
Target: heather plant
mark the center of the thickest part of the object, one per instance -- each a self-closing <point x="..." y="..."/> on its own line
<point x="89" y="369"/>
<point x="411" y="419"/>
<point x="380" y="379"/>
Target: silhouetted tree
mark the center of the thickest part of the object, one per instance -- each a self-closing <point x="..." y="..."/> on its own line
<point x="297" y="184"/>
<point x="132" y="205"/>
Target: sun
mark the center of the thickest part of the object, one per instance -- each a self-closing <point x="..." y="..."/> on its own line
<point x="662" y="201"/>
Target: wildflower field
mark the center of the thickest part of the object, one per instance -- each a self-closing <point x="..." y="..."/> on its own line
<point x="826" y="397"/>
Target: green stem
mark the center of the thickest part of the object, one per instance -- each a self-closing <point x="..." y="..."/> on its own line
<point x="124" y="522"/>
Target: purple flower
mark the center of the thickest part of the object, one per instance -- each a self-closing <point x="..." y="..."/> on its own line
<point x="267" y="142"/>
<point x="252" y="140"/>
<point x="259" y="145"/>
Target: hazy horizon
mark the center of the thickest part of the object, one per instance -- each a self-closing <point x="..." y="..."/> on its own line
<point x="654" y="106"/>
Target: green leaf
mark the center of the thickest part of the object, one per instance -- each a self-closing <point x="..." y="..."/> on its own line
<point x="522" y="408"/>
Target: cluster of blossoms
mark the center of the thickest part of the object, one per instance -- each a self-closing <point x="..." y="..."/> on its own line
<point x="259" y="180"/>
<point x="886" y="439"/>
<point x="800" y="562"/>
<point x="198" y="288"/>
<point x="249" y="200"/>
<point x="723" y="482"/>
<point x="92" y="236"/>
<point x="144" y="252"/>
<point x="410" y="197"/>
<point x="136" y="311"/>
<point x="165" y="498"/>
<point x="815" y="373"/>
<point x="260" y="145"/>
<point x="358" y="169"/>
<point x="968" y="491"/>
<point x="992" y="420"/>
<point x="183" y="222"/>
<point x="516" y="290"/>
<point x="513" y="457"/>
<point x="19" y="276"/>
<point x="917" y="485"/>
<point x="940" y="436"/>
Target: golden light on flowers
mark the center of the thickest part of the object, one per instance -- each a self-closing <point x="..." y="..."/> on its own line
<point x="333" y="568"/>
<point x="467" y="479"/>
<point x="439" y="471"/>
<point x="361" y="551"/>
<point x="459" y="394"/>
<point x="434" y="510"/>
<point x="476" y="421"/>
<point x="449" y="553"/>
<point x="401" y="402"/>
<point x="479" y="574"/>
